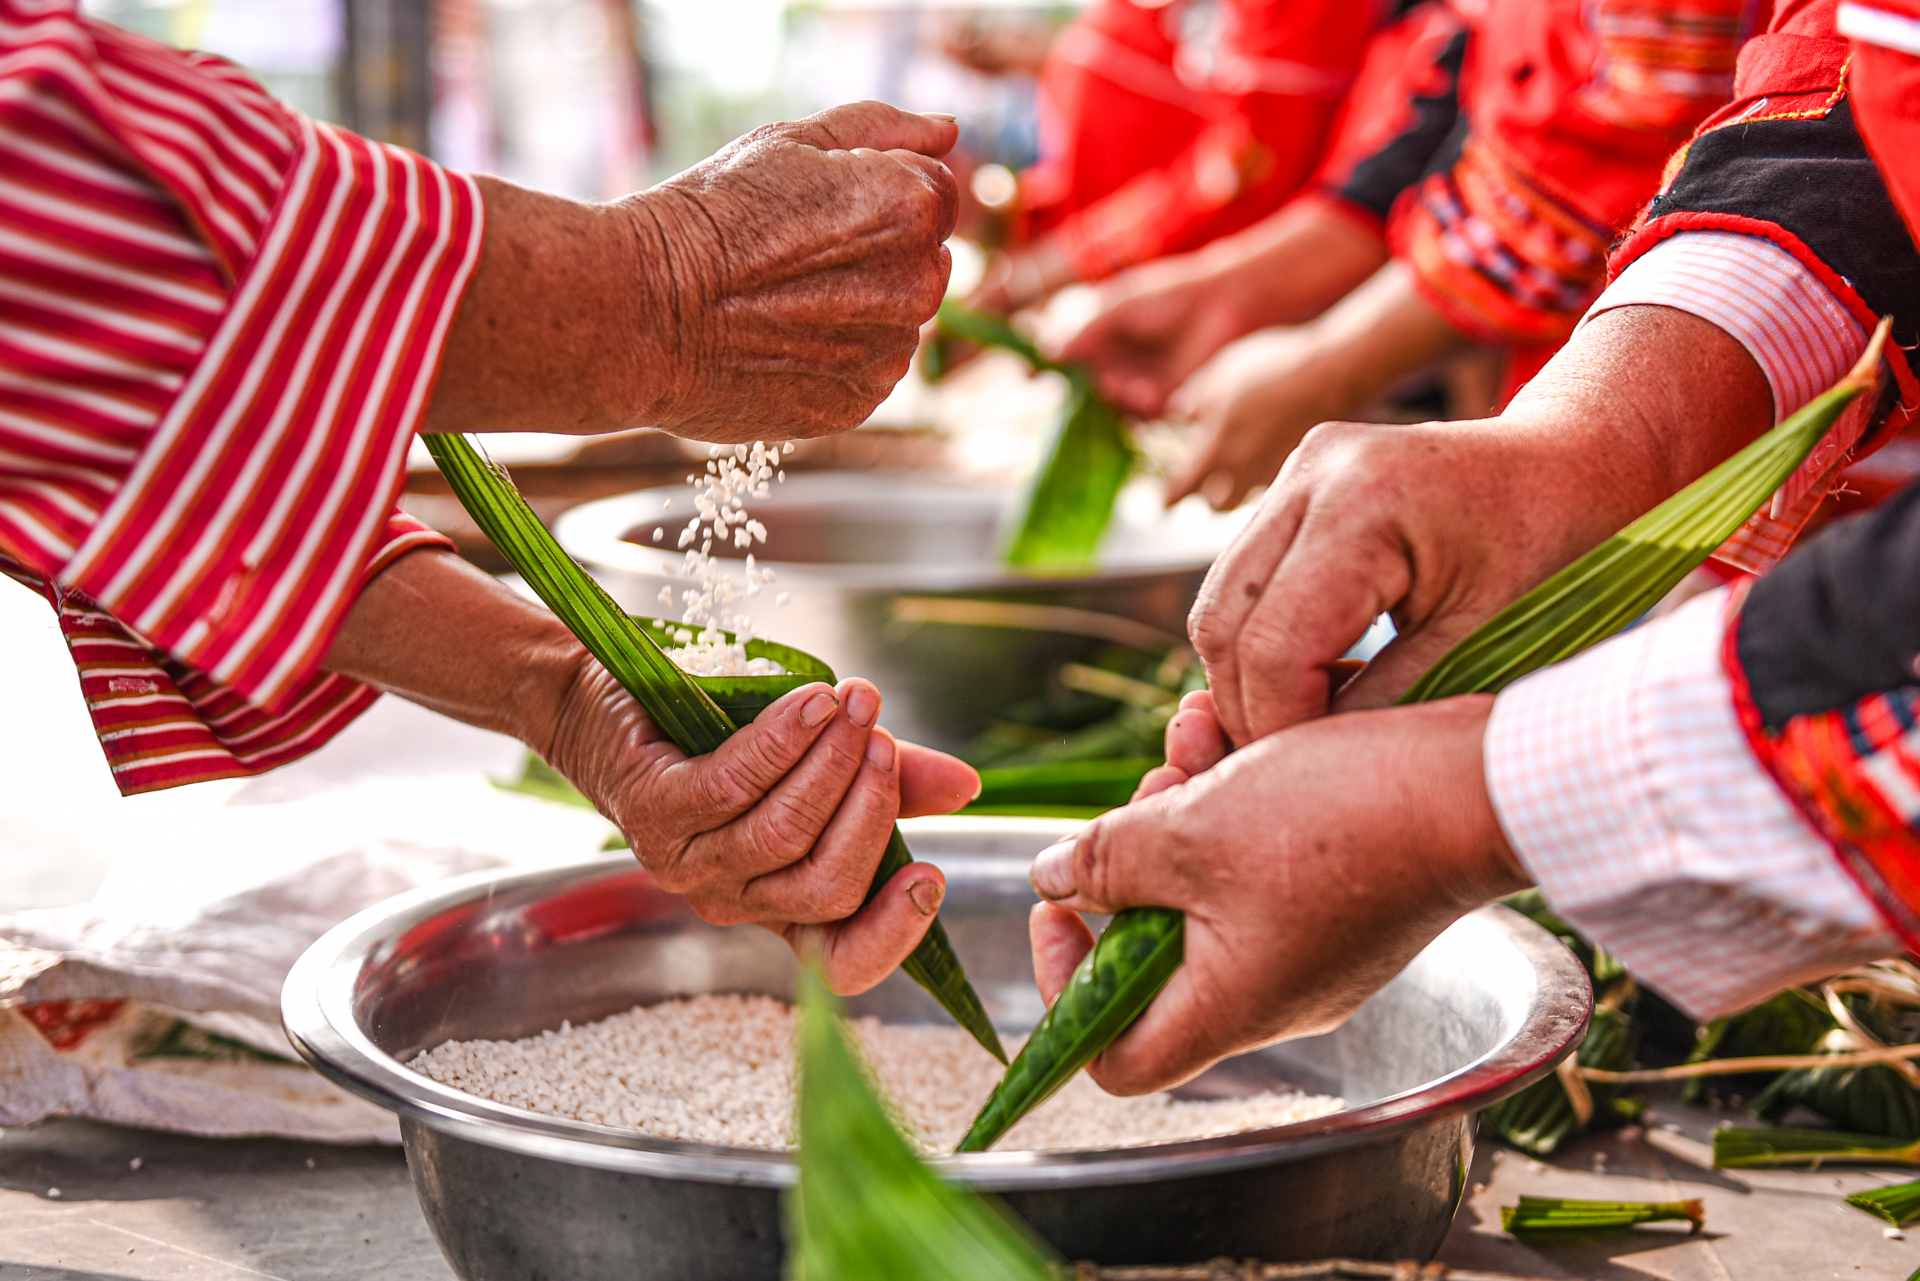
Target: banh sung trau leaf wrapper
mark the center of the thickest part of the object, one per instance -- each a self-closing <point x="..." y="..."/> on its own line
<point x="1595" y="598"/>
<point x="678" y="702"/>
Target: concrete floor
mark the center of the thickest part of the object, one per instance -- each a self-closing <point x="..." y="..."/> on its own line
<point x="214" y="1210"/>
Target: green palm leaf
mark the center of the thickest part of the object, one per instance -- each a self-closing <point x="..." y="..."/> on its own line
<point x="866" y="1208"/>
<point x="1592" y="599"/>
<point x="673" y="698"/>
<point x="1069" y="503"/>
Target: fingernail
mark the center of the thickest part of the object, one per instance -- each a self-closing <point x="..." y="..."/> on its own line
<point x="863" y="705"/>
<point x="817" y="709"/>
<point x="1052" y="872"/>
<point x="880" y="749"/>
<point x="926" y="896"/>
<point x="940" y="115"/>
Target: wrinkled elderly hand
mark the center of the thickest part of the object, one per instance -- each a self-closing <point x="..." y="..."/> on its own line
<point x="782" y="826"/>
<point x="1445" y="524"/>
<point x="798" y="265"/>
<point x="1312" y="866"/>
<point x="775" y="290"/>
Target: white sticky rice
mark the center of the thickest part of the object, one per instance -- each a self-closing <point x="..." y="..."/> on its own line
<point x="720" y="1070"/>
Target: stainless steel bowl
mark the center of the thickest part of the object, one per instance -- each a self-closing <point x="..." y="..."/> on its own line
<point x="1490" y="1006"/>
<point x="850" y="547"/>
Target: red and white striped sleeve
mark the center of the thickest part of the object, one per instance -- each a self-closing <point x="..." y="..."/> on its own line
<point x="220" y="329"/>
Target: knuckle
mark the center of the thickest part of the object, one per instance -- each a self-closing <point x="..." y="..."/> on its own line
<point x="788" y="829"/>
<point x="840" y="897"/>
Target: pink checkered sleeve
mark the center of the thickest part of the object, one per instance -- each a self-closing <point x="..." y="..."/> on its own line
<point x="1761" y="295"/>
<point x="1801" y="336"/>
<point x="1626" y="786"/>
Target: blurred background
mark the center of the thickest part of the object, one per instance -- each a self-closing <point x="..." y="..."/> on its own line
<point x="593" y="98"/>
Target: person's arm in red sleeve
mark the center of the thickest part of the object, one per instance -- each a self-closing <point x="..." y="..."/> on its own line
<point x="1157" y="323"/>
<point x="1569" y="128"/>
<point x="230" y="322"/>
<point x="1272" y="79"/>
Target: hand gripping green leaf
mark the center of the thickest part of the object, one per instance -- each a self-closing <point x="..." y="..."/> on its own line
<point x="1589" y="601"/>
<point x="676" y="701"/>
<point x="1069" y="503"/>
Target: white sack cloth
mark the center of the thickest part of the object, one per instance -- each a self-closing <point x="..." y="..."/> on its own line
<point x="156" y="1003"/>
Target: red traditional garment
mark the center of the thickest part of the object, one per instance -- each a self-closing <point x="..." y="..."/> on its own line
<point x="221" y="326"/>
<point x="1784" y="161"/>
<point x="1823" y="656"/>
<point x="1885" y="83"/>
<point x="1403" y="107"/>
<point x="1166" y="126"/>
<point x="1574" y="108"/>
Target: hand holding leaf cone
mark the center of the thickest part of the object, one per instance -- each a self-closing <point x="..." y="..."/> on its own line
<point x="675" y="700"/>
<point x="1592" y="599"/>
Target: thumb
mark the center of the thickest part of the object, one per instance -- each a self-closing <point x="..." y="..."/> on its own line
<point x="1113" y="862"/>
<point x="877" y="126"/>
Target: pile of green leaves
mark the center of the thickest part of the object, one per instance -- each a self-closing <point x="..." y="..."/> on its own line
<point x="1083" y="748"/>
<point x="1069" y="502"/>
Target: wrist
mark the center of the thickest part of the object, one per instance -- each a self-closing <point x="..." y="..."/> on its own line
<point x="671" y="267"/>
<point x="545" y="685"/>
<point x="1475" y="863"/>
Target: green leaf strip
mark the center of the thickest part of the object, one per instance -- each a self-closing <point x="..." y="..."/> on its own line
<point x="1736" y="1148"/>
<point x="1129" y="964"/>
<point x="1069" y="502"/>
<point x="1536" y="1215"/>
<point x="672" y="697"/>
<point x="1898" y="1205"/>
<point x="865" y="1207"/>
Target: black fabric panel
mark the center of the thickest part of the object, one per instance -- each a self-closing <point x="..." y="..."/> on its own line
<point x="1377" y="181"/>
<point x="1815" y="179"/>
<point x="1839" y="619"/>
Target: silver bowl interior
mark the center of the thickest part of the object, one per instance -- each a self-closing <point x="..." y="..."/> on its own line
<point x="857" y="552"/>
<point x="1485" y="1009"/>
<point x="884" y="530"/>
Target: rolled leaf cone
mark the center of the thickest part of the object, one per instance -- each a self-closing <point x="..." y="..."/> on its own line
<point x="1591" y="600"/>
<point x="677" y="701"/>
<point x="1132" y="960"/>
<point x="1069" y="503"/>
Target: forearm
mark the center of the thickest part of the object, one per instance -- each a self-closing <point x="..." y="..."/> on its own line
<point x="1631" y="794"/>
<point x="441" y="633"/>
<point x="1641" y="402"/>
<point x="1289" y="267"/>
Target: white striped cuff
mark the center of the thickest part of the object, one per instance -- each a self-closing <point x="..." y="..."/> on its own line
<point x="1624" y="782"/>
<point x="1870" y="25"/>
<point x="1763" y="296"/>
